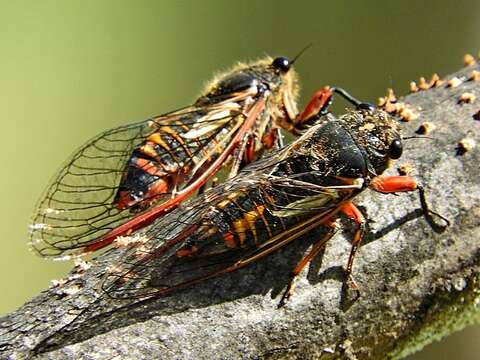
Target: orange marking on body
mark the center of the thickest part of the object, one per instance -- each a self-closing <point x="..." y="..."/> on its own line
<point x="149" y="150"/>
<point x="187" y="251"/>
<point x="390" y="184"/>
<point x="251" y="217"/>
<point x="228" y="200"/>
<point x="148" y="167"/>
<point x="161" y="186"/>
<point x="157" y="139"/>
<point x="223" y="203"/>
<point x="229" y="240"/>
<point x="233" y="195"/>
<point x="240" y="227"/>
<point x="247" y="222"/>
<point x="178" y="138"/>
<point x="181" y="124"/>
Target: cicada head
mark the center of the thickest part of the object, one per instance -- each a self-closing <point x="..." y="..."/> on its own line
<point x="273" y="75"/>
<point x="377" y="135"/>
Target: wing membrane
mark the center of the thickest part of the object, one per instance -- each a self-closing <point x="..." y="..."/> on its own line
<point x="79" y="207"/>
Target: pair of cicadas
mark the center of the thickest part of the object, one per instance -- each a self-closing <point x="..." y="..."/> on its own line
<point x="135" y="175"/>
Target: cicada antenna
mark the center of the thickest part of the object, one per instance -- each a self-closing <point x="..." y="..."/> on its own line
<point x="301" y="52"/>
<point x="417" y="137"/>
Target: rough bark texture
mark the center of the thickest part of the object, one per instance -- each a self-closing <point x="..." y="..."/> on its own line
<point x="418" y="282"/>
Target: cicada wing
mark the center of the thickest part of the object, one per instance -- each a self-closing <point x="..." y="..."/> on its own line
<point x="159" y="266"/>
<point x="79" y="206"/>
<point x="152" y="263"/>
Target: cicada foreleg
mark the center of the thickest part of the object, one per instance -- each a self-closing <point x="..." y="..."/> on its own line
<point x="393" y="184"/>
<point x="386" y="185"/>
<point x="316" y="248"/>
<point x="319" y="105"/>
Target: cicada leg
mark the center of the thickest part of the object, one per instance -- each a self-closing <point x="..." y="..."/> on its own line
<point x="316" y="248"/>
<point x="245" y="152"/>
<point x="319" y="104"/>
<point x="354" y="214"/>
<point x="393" y="184"/>
<point x="386" y="185"/>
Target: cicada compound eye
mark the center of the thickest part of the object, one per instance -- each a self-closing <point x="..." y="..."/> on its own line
<point x="282" y="63"/>
<point x="395" y="150"/>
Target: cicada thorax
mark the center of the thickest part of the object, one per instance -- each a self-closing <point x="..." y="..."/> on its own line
<point x="175" y="154"/>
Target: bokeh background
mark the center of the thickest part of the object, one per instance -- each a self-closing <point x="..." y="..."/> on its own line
<point x="70" y="69"/>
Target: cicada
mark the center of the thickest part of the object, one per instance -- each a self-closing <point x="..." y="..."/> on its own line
<point x="271" y="202"/>
<point x="124" y="178"/>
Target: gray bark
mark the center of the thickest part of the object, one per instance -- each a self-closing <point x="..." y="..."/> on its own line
<point x="418" y="281"/>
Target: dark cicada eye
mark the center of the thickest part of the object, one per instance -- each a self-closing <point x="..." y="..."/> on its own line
<point x="282" y="64"/>
<point x="395" y="150"/>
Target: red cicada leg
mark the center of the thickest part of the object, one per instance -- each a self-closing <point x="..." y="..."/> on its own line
<point x="206" y="187"/>
<point x="354" y="214"/>
<point x="271" y="139"/>
<point x="393" y="184"/>
<point x="244" y="150"/>
<point x="245" y="153"/>
<point x="316" y="248"/>
<point x="319" y="104"/>
<point x="319" y="101"/>
<point x="316" y="107"/>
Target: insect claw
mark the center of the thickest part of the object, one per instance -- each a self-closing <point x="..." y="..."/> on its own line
<point x="352" y="284"/>
<point x="288" y="292"/>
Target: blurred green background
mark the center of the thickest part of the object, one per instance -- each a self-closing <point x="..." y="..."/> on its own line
<point x="70" y="69"/>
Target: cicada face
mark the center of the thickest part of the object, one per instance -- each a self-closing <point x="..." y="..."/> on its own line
<point x="377" y="134"/>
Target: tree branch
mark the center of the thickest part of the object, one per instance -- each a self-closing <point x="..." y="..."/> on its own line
<point x="418" y="282"/>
